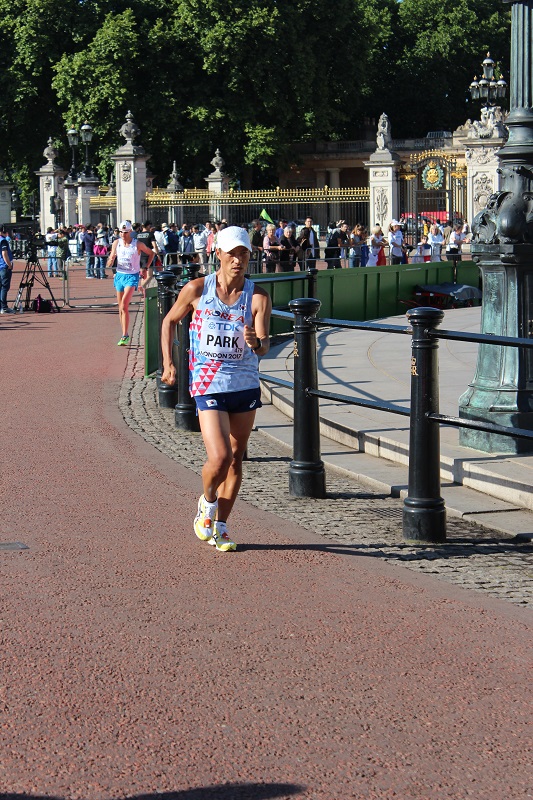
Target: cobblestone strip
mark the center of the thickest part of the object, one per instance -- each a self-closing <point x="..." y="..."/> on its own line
<point x="352" y="518"/>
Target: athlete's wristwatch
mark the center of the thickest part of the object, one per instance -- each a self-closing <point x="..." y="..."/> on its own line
<point x="258" y="345"/>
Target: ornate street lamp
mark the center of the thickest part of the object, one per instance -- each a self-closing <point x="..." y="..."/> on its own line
<point x="502" y="389"/>
<point x="488" y="89"/>
<point x="86" y="136"/>
<point x="73" y="140"/>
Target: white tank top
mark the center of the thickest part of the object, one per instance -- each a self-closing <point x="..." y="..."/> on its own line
<point x="128" y="258"/>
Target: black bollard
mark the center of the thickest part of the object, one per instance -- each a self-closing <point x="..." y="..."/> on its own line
<point x="185" y="416"/>
<point x="176" y="269"/>
<point x="190" y="271"/>
<point x="306" y="471"/>
<point x="166" y="296"/>
<point x="312" y="272"/>
<point x="424" y="512"/>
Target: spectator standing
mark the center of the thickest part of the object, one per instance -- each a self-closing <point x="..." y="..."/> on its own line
<point x="344" y="236"/>
<point x="271" y="249"/>
<point x="146" y="236"/>
<point x="376" y="245"/>
<point x="289" y="249"/>
<point x="6" y="272"/>
<point x="309" y="243"/>
<point x="365" y="250"/>
<point x="200" y="244"/>
<point x="79" y="241"/>
<point x="172" y="242"/>
<point x="63" y="251"/>
<point x="88" y="240"/>
<point x="282" y="225"/>
<point x="159" y="235"/>
<point x="447" y="232"/>
<point x="333" y="247"/>
<point x="435" y="240"/>
<point x="357" y="239"/>
<point x="396" y="242"/>
<point x="186" y="245"/>
<point x="101" y="249"/>
<point x="51" y="252"/>
<point x="256" y="242"/>
<point x="455" y="242"/>
<point x="423" y="251"/>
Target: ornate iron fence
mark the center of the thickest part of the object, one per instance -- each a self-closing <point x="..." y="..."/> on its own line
<point x="241" y="207"/>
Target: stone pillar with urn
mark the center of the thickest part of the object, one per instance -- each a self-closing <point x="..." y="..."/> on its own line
<point x="51" y="190"/>
<point x="130" y="173"/>
<point x="217" y="183"/>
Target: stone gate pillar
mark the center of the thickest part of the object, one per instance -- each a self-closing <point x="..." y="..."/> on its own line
<point x="51" y="190"/>
<point x="383" y="166"/>
<point x="70" y="198"/>
<point x="5" y="199"/>
<point x="131" y="173"/>
<point x="482" y="139"/>
<point x="217" y="183"/>
<point x="88" y="186"/>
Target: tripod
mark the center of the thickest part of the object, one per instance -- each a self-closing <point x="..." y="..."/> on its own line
<point x="33" y="272"/>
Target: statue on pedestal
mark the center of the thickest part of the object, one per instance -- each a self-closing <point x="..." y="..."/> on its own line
<point x="383" y="138"/>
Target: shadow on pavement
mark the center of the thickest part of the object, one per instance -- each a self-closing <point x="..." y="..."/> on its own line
<point x="408" y="552"/>
<point x="229" y="791"/>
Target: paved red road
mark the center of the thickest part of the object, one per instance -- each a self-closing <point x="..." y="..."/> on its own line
<point x="136" y="660"/>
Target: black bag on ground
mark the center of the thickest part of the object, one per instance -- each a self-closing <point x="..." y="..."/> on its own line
<point x="41" y="306"/>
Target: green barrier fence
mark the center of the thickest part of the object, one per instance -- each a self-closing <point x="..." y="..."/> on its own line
<point x="357" y="294"/>
<point x="151" y="332"/>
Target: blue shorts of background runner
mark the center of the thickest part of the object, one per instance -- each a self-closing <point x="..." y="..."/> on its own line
<point x="232" y="402"/>
<point x="124" y="279"/>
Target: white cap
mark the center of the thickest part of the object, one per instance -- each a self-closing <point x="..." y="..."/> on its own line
<point x="125" y="225"/>
<point x="229" y="238"/>
<point x="395" y="222"/>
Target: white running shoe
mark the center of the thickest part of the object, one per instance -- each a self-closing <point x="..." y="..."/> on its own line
<point x="203" y="522"/>
<point x="221" y="539"/>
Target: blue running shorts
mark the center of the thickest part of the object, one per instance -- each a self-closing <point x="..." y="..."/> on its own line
<point x="124" y="279"/>
<point x="231" y="402"/>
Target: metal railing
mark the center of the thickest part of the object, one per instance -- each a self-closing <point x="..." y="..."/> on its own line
<point x="424" y="513"/>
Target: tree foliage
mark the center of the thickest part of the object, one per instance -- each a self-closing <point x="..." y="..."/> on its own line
<point x="248" y="77"/>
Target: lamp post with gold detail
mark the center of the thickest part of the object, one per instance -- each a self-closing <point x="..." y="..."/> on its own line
<point x="501" y="391"/>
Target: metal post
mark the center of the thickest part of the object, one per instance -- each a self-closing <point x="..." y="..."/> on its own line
<point x="176" y="269"/>
<point x="166" y="282"/>
<point x="306" y="472"/>
<point x="312" y="272"/>
<point x="191" y="270"/>
<point x="185" y="416"/>
<point x="424" y="512"/>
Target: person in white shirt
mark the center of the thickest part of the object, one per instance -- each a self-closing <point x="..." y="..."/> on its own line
<point x="457" y="237"/>
<point x="435" y="239"/>
<point x="200" y="244"/>
<point x="51" y="246"/>
<point x="396" y="242"/>
<point x="376" y="244"/>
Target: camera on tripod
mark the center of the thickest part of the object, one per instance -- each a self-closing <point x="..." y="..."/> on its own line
<point x="33" y="244"/>
<point x="33" y="273"/>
